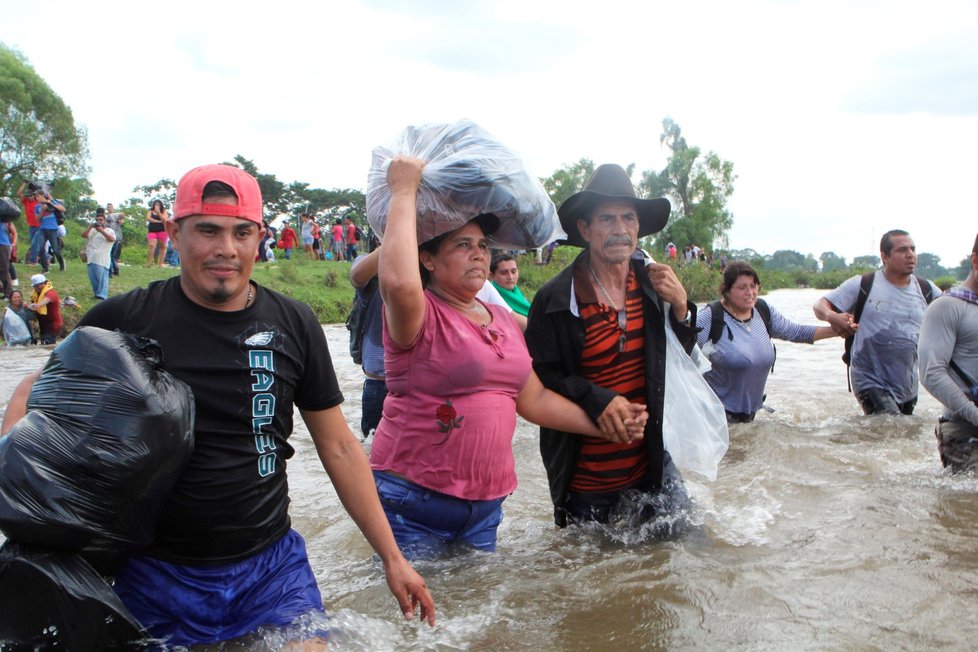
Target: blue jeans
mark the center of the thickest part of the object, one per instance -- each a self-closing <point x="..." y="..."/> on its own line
<point x="189" y="605"/>
<point x="372" y="405"/>
<point x="98" y="276"/>
<point x="37" y="252"/>
<point x="31" y="253"/>
<point x="114" y="257"/>
<point x="428" y="524"/>
<point x="46" y="237"/>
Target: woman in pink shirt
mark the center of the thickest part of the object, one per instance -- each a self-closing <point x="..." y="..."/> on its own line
<point x="458" y="372"/>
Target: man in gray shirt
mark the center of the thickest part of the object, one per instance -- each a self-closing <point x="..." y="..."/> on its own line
<point x="114" y="221"/>
<point x="949" y="368"/>
<point x="883" y="367"/>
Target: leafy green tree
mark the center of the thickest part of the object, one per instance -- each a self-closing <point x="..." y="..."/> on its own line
<point x="756" y="260"/>
<point x="832" y="262"/>
<point x="273" y="192"/>
<point x="962" y="270"/>
<point x="872" y="262"/>
<point x="698" y="186"/>
<point x="38" y="135"/>
<point x="165" y="190"/>
<point x="570" y="179"/>
<point x="788" y="260"/>
<point x="929" y="266"/>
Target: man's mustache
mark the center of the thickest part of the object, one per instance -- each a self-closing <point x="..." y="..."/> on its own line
<point x="618" y="240"/>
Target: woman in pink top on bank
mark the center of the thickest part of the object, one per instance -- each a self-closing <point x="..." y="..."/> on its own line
<point x="458" y="372"/>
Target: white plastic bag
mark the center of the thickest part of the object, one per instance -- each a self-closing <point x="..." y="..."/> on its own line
<point x="694" y="426"/>
<point x="15" y="331"/>
<point x="467" y="173"/>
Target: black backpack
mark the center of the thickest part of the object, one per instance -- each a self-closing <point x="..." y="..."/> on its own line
<point x="865" y="285"/>
<point x="358" y="232"/>
<point x="717" y="323"/>
<point x="356" y="323"/>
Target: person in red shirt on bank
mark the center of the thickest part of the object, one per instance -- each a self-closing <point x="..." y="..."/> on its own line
<point x="33" y="221"/>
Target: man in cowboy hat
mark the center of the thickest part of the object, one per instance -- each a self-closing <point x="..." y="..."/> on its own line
<point x="596" y="332"/>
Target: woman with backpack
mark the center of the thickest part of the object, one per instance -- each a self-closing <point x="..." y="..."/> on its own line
<point x="735" y="334"/>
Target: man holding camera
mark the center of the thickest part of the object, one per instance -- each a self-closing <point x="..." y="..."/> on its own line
<point x="51" y="213"/>
<point x="98" y="254"/>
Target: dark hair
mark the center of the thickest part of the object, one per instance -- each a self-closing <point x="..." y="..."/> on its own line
<point x="99" y="211"/>
<point x="499" y="258"/>
<point x="488" y="223"/>
<point x="155" y="202"/>
<point x="886" y="242"/>
<point x="735" y="270"/>
<point x="15" y="290"/>
<point x="216" y="189"/>
<point x="338" y="221"/>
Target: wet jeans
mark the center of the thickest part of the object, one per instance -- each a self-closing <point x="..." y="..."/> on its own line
<point x="879" y="401"/>
<point x="428" y="524"/>
<point x="372" y="404"/>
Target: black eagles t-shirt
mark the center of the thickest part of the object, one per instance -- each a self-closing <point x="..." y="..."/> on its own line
<point x="247" y="369"/>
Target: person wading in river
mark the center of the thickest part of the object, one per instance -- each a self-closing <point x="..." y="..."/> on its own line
<point x="596" y="333"/>
<point x="949" y="368"/>
<point x="883" y="359"/>
<point x="226" y="560"/>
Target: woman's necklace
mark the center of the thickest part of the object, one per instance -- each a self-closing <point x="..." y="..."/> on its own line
<point x="743" y="322"/>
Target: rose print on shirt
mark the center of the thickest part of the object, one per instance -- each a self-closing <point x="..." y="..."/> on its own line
<point x="448" y="419"/>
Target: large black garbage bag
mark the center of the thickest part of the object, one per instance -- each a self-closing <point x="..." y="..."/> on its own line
<point x="106" y="435"/>
<point x="56" y="601"/>
<point x="467" y="173"/>
<point x="9" y="211"/>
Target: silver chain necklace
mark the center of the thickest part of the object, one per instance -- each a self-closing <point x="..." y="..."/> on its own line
<point x="622" y="313"/>
<point x="603" y="290"/>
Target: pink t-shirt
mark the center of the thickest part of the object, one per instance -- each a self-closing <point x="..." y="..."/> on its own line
<point x="450" y="413"/>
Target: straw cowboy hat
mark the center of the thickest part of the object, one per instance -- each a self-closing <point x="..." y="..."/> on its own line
<point x="610" y="182"/>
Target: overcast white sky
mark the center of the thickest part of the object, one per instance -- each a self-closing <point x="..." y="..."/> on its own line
<point x="843" y="118"/>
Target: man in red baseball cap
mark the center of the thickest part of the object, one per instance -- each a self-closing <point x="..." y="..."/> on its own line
<point x="226" y="560"/>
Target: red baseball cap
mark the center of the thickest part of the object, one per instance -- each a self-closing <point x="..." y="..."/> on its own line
<point x="191" y="188"/>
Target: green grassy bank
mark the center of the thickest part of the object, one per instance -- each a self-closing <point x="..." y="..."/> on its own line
<point x="325" y="285"/>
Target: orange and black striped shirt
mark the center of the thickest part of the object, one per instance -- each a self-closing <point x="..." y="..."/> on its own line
<point x="613" y="357"/>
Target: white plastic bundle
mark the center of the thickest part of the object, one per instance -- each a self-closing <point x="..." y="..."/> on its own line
<point x="467" y="173"/>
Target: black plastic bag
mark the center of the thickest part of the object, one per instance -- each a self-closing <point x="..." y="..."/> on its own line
<point x="9" y="211"/>
<point x="57" y="601"/>
<point x="106" y="435"/>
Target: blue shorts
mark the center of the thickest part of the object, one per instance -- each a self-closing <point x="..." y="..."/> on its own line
<point x="187" y="605"/>
<point x="428" y="524"/>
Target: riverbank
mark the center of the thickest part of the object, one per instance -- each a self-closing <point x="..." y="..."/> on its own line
<point x="325" y="285"/>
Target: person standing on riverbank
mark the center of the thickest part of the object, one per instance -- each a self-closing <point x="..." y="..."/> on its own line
<point x="949" y="368"/>
<point x="114" y="221"/>
<point x="596" y="333"/>
<point x="883" y="354"/>
<point x="98" y="253"/>
<point x="225" y="559"/>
